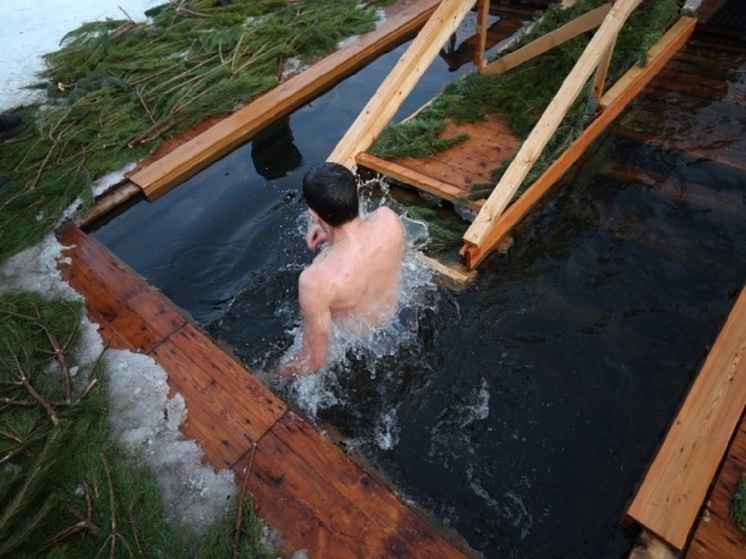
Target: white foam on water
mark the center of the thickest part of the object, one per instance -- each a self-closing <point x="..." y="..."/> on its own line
<point x="321" y="390"/>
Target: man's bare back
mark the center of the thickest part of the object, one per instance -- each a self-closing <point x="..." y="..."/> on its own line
<point x="352" y="281"/>
<point x="361" y="270"/>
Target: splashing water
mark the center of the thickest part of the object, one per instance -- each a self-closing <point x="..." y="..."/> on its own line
<point x="355" y="359"/>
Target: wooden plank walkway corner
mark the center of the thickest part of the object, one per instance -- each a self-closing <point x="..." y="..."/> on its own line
<point x="676" y="484"/>
<point x="303" y="485"/>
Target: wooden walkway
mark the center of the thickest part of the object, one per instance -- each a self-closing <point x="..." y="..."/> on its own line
<point x="302" y="484"/>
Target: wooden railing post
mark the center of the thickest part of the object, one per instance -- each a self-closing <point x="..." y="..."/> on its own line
<point x="483" y="13"/>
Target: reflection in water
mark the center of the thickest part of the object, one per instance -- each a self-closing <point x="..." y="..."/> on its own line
<point x="274" y="152"/>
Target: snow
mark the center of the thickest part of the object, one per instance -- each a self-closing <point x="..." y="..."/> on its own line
<point x="142" y="417"/>
<point x="31" y="29"/>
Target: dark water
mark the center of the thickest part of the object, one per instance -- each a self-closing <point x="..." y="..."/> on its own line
<point x="533" y="401"/>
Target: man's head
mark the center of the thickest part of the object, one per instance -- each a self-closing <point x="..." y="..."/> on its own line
<point x="330" y="190"/>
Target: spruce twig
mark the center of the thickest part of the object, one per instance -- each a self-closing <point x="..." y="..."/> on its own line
<point x="23" y="380"/>
<point x="238" y="528"/>
<point x="114" y="534"/>
<point x="84" y="524"/>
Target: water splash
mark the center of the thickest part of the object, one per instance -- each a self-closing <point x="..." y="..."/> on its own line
<point x="354" y="358"/>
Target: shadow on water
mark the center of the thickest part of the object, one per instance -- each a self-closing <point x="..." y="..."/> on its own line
<point x="531" y="403"/>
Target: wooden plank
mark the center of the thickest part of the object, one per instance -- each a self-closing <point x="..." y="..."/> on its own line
<point x="399" y="83"/>
<point x="108" y="201"/>
<point x="123" y="305"/>
<point x="198" y="153"/>
<point x="675" y="486"/>
<point x="219" y="393"/>
<point x="717" y="535"/>
<point x="570" y="30"/>
<point x="412" y="177"/>
<point x="614" y="101"/>
<point x="309" y="473"/>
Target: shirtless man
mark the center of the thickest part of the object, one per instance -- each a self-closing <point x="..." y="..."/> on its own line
<point x="353" y="280"/>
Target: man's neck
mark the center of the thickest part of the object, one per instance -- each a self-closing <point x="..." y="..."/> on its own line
<point x="345" y="231"/>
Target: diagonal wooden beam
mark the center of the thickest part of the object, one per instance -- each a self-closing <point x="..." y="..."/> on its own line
<point x="549" y="121"/>
<point x="399" y="83"/>
<point x="586" y="22"/>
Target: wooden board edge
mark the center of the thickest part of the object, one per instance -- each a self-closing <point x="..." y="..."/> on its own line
<point x="731" y="345"/>
<point x="450" y="274"/>
<point x="411" y="177"/>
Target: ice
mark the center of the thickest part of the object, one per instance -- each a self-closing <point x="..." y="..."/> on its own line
<point x="143" y="419"/>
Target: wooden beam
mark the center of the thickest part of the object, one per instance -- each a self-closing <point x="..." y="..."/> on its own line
<point x="599" y="78"/>
<point x="193" y="156"/>
<point x="612" y="103"/>
<point x="483" y="12"/>
<point x="674" y="489"/>
<point x="413" y="178"/>
<point x="586" y="22"/>
<point x="549" y="121"/>
<point x="399" y="83"/>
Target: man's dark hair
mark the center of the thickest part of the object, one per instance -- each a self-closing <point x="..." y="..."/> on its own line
<point x="330" y="190"/>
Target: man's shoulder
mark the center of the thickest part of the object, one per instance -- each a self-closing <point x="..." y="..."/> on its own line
<point x="386" y="217"/>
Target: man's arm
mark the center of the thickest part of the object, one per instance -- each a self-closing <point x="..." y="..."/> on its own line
<point x="317" y="323"/>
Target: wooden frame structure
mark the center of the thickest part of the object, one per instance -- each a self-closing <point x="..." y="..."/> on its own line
<point x="491" y="224"/>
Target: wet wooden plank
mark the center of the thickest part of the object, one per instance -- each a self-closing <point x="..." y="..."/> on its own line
<point x="717" y="536"/>
<point x="675" y="486"/>
<point x="196" y="154"/>
<point x="231" y="407"/>
<point x="129" y="312"/>
<point x="306" y="472"/>
<point x="450" y="173"/>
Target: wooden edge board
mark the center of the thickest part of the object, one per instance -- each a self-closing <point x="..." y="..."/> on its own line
<point x="115" y="196"/>
<point x="452" y="275"/>
<point x="411" y="177"/>
<point x="676" y="484"/>
<point x="159" y="177"/>
<point x="613" y="102"/>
